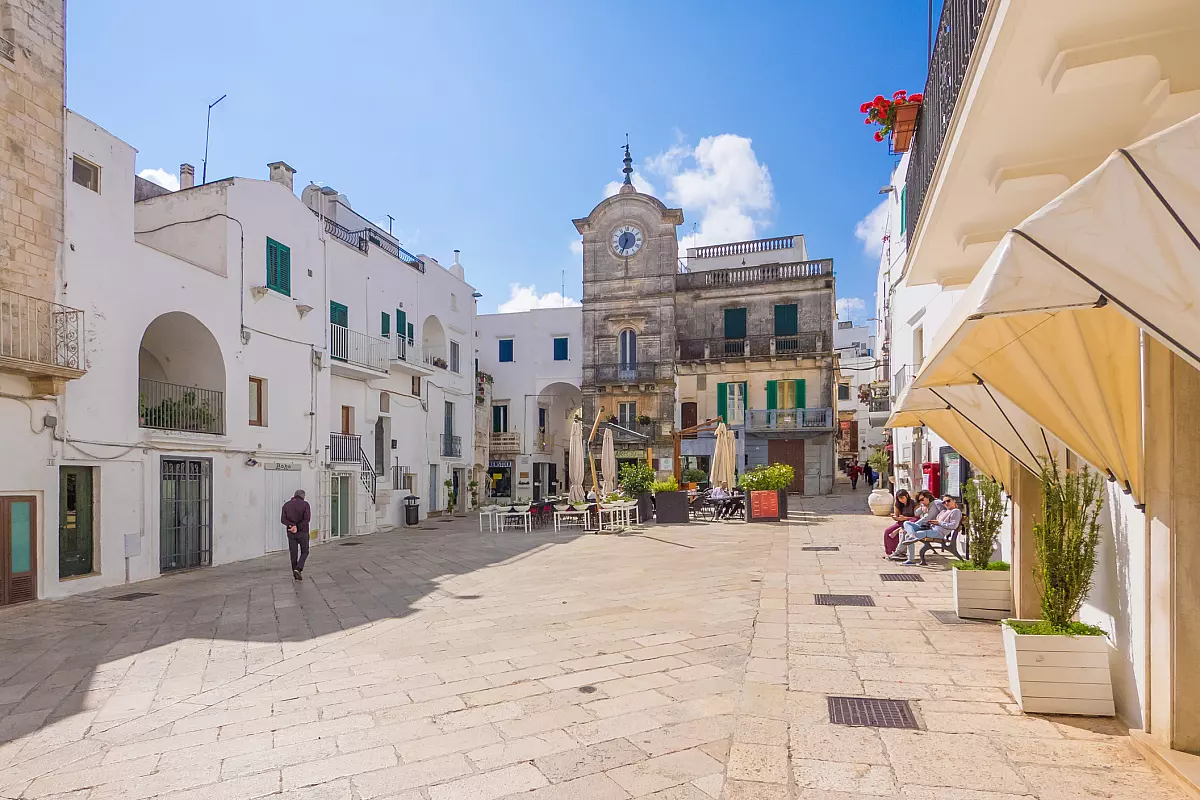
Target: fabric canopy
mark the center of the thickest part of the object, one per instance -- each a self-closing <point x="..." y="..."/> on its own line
<point x="985" y="427"/>
<point x="1052" y="319"/>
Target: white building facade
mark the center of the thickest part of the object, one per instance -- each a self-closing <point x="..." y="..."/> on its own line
<point x="862" y="407"/>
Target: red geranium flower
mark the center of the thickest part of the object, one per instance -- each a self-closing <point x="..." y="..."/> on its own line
<point x="916" y="98"/>
<point x="863" y="108"/>
<point x="878" y="99"/>
<point x="878" y="136"/>
<point x="899" y="95"/>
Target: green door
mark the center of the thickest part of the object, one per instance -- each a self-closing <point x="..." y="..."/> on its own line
<point x="340" y="502"/>
<point x="75" y="542"/>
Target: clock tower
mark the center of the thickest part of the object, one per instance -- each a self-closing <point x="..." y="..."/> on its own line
<point x="630" y="258"/>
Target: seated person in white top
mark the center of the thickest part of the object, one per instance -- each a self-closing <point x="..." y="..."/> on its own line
<point x="718" y="493"/>
<point x="942" y="527"/>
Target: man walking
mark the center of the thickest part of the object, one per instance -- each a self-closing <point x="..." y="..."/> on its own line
<point x="295" y="517"/>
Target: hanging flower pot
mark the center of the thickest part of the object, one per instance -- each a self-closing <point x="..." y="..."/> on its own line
<point x="896" y="117"/>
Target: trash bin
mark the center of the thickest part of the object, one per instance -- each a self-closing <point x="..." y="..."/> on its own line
<point x="412" y="510"/>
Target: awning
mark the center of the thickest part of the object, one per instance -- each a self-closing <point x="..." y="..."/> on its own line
<point x="985" y="427"/>
<point x="1052" y="319"/>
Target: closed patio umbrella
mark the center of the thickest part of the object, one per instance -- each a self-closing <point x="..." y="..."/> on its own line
<point x="575" y="462"/>
<point x="721" y="469"/>
<point x="608" y="464"/>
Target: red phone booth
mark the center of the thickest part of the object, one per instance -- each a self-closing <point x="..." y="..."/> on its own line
<point x="931" y="477"/>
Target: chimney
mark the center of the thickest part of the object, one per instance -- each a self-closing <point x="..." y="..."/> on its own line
<point x="456" y="252"/>
<point x="329" y="198"/>
<point x="281" y="173"/>
<point x="187" y="176"/>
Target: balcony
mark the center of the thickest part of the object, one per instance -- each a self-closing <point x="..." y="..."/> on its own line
<point x="742" y="248"/>
<point x="170" y="407"/>
<point x="879" y="408"/>
<point x="407" y="353"/>
<point x="435" y="356"/>
<point x="748" y="276"/>
<point x="42" y="340"/>
<point x="506" y="442"/>
<point x="451" y="446"/>
<point x="633" y="432"/>
<point x="361" y="240"/>
<point x="352" y="350"/>
<point x="900" y="380"/>
<point x="790" y="420"/>
<point x="346" y="448"/>
<point x="721" y="349"/>
<point x="642" y="372"/>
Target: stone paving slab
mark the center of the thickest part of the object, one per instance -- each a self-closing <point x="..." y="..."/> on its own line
<point x="678" y="663"/>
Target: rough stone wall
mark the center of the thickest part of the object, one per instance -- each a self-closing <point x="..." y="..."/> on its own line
<point x="705" y="318"/>
<point x="31" y="146"/>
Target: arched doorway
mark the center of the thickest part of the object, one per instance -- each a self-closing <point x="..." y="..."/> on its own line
<point x="557" y="404"/>
<point x="433" y="343"/>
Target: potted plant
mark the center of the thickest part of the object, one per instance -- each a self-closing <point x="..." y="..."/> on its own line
<point x="766" y="490"/>
<point x="473" y="487"/>
<point x="693" y="476"/>
<point x="982" y="587"/>
<point x="896" y="117"/>
<point x="880" y="500"/>
<point x="450" y="498"/>
<point x="670" y="504"/>
<point x="636" y="480"/>
<point x="1058" y="665"/>
<point x="644" y="419"/>
<point x="612" y="419"/>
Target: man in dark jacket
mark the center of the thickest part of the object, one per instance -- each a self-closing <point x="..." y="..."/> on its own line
<point x="295" y="517"/>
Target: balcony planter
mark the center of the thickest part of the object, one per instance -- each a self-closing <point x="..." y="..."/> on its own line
<point x="896" y="118"/>
<point x="982" y="593"/>
<point x="1059" y="674"/>
<point x="904" y="127"/>
<point x="671" y="507"/>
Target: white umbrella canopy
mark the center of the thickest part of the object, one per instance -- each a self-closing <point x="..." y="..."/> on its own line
<point x="608" y="464"/>
<point x="575" y="458"/>
<point x="720" y="471"/>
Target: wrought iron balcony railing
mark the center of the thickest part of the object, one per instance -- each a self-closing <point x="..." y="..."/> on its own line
<point x="451" y="446"/>
<point x="957" y="33"/>
<point x="40" y="332"/>
<point x="717" y="349"/>
<point x="790" y="419"/>
<point x="353" y="347"/>
<point x="879" y="405"/>
<point x="346" y="448"/>
<point x="171" y="407"/>
<point x="364" y="238"/>
<point x="633" y="432"/>
<point x="641" y="372"/>
<point x="743" y="276"/>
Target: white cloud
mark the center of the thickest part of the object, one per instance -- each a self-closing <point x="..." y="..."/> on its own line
<point x="850" y="307"/>
<point x="721" y="184"/>
<point x="577" y="247"/>
<point x="639" y="182"/>
<point x="165" y="179"/>
<point x="871" y="229"/>
<point x="526" y="298"/>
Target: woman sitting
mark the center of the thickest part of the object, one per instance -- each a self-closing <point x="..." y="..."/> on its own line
<point x="904" y="511"/>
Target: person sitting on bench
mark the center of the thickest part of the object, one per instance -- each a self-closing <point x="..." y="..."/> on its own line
<point x="904" y="510"/>
<point x="925" y="514"/>
<point x="943" y="526"/>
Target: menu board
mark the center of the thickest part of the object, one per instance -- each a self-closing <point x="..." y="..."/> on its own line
<point x="764" y="505"/>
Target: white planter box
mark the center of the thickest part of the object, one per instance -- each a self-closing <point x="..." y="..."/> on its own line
<point x="1059" y="674"/>
<point x="982" y="594"/>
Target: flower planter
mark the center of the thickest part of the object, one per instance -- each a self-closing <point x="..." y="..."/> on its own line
<point x="1059" y="674"/>
<point x="881" y="502"/>
<point x="671" y="507"/>
<point x="905" y="127"/>
<point x="982" y="594"/>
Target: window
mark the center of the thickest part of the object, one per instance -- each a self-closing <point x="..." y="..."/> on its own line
<point x="453" y="301"/>
<point x="626" y="414"/>
<point x="918" y="348"/>
<point x="279" y="267"/>
<point x="903" y="209"/>
<point x="385" y="325"/>
<point x="506" y="350"/>
<point x="785" y="394"/>
<point x="85" y="173"/>
<point x="258" y="401"/>
<point x="385" y="403"/>
<point x="449" y="420"/>
<point x="735" y="323"/>
<point x="416" y="385"/>
<point x="843" y="391"/>
<point x="731" y="403"/>
<point x="627" y="343"/>
<point x="339" y="314"/>
<point x="454" y="357"/>
<point x="786" y="320"/>
<point x="500" y="418"/>
<point x="542" y="419"/>
<point x="560" y="348"/>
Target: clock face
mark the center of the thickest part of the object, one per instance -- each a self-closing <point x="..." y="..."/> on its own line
<point x="626" y="240"/>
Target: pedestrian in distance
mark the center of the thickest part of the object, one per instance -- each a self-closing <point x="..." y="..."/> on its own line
<point x="295" y="517"/>
<point x="854" y="470"/>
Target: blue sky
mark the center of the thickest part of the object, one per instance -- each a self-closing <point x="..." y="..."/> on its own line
<point x="488" y="126"/>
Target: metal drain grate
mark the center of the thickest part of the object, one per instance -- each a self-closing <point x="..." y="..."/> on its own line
<point x="351" y="544"/>
<point x="901" y="577"/>
<point x="952" y="618"/>
<point x="587" y="689"/>
<point x="821" y="548"/>
<point x="871" y="712"/>
<point x="843" y="600"/>
<point x="133" y="596"/>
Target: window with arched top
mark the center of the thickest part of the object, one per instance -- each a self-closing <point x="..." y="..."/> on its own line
<point x="628" y="348"/>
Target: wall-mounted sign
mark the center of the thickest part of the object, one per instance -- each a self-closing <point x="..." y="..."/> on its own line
<point x="500" y="464"/>
<point x="282" y="466"/>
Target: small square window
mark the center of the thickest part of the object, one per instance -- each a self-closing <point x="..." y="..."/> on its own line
<point x="561" y="352"/>
<point x="453" y="301"/>
<point x="85" y="173"/>
<point x="258" y="401"/>
<point x="416" y="385"/>
<point x="506" y="350"/>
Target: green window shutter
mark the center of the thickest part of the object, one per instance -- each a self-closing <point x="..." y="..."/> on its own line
<point x="772" y="395"/>
<point x="735" y="323"/>
<point x="385" y="325"/>
<point x="401" y="323"/>
<point x="339" y="314"/>
<point x="722" y="400"/>
<point x="786" y="320"/>
<point x="410" y="332"/>
<point x="745" y="401"/>
<point x="800" y="399"/>
<point x="285" y="270"/>
<point x="272" y="265"/>
<point x="904" y="209"/>
<point x="497" y="419"/>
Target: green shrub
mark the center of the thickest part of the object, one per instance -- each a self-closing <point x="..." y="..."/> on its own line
<point x="984" y="516"/>
<point x="693" y="475"/>
<point x="1044" y="628"/>
<point x="636" y="478"/>
<point x="1066" y="540"/>
<point x="767" y="479"/>
<point x="879" y="462"/>
<point x="992" y="566"/>
<point x="669" y="485"/>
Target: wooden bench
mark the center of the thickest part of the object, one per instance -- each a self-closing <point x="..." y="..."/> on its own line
<point x="947" y="545"/>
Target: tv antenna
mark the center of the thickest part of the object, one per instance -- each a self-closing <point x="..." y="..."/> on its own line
<point x="207" y="128"/>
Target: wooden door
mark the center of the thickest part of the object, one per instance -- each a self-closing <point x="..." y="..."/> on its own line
<point x="347" y="419"/>
<point x="791" y="452"/>
<point x="687" y="415"/>
<point x="18" y="549"/>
